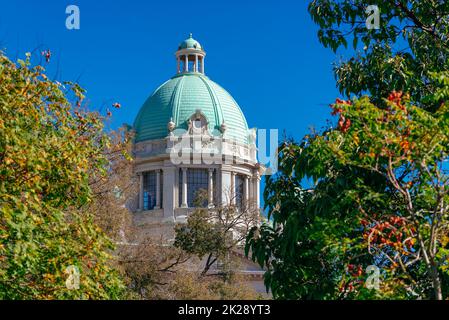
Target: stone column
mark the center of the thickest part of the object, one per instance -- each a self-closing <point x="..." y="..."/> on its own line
<point x="233" y="193"/>
<point x="168" y="201"/>
<point x="179" y="63"/>
<point x="246" y="191"/>
<point x="251" y="191"/>
<point x="224" y="186"/>
<point x="140" y="208"/>
<point x="211" y="188"/>
<point x="184" y="188"/>
<point x="257" y="190"/>
<point x="186" y="63"/>
<point x="158" y="189"/>
<point x="196" y="63"/>
<point x="202" y="65"/>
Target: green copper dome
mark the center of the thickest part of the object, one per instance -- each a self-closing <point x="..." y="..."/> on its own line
<point x="190" y="43"/>
<point x="180" y="98"/>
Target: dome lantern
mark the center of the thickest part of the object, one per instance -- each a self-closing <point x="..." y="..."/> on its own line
<point x="190" y="56"/>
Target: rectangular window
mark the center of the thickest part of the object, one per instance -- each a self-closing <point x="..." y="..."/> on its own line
<point x="197" y="183"/>
<point x="149" y="190"/>
<point x="239" y="182"/>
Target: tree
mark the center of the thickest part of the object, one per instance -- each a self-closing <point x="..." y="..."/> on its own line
<point x="320" y="236"/>
<point x="50" y="151"/>
<point x="113" y="192"/>
<point x="409" y="45"/>
<point x="155" y="270"/>
<point x="215" y="232"/>
<point x="149" y="266"/>
<point x="193" y="286"/>
<point x="380" y="197"/>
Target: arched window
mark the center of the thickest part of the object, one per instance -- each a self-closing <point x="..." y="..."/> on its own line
<point x="198" y="123"/>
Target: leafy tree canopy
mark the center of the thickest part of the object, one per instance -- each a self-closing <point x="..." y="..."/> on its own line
<point x="410" y="44"/>
<point x="380" y="197"/>
<point x="49" y="151"/>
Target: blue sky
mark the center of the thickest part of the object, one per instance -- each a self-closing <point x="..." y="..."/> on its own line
<point x="265" y="53"/>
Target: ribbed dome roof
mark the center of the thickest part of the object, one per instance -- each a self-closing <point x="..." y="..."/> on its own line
<point x="190" y="43"/>
<point x="179" y="98"/>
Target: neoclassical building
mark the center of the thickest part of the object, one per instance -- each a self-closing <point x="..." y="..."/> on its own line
<point x="191" y="135"/>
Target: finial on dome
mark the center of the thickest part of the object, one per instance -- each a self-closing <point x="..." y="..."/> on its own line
<point x="223" y="127"/>
<point x="171" y="125"/>
<point x="190" y="35"/>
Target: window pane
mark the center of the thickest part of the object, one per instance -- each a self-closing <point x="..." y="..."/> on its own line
<point x="239" y="180"/>
<point x="149" y="190"/>
<point x="197" y="179"/>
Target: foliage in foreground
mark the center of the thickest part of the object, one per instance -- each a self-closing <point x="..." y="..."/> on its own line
<point x="49" y="152"/>
<point x="410" y="44"/>
<point x="64" y="190"/>
<point x="380" y="197"/>
<point x="154" y="270"/>
<point x="216" y="233"/>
